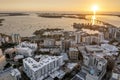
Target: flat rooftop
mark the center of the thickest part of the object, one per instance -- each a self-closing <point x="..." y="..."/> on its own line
<point x="44" y="60"/>
<point x="109" y="47"/>
<point x="92" y="48"/>
<point x="73" y="49"/>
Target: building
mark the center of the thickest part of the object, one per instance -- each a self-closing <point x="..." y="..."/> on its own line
<point x="1" y="52"/>
<point x="16" y="74"/>
<point x="112" y="32"/>
<point x="94" y="49"/>
<point x="93" y="38"/>
<point x="78" y="37"/>
<point x="32" y="46"/>
<point x="103" y="50"/>
<point x="51" y="50"/>
<point x="10" y="53"/>
<point x="117" y="34"/>
<point x="18" y="57"/>
<point x="16" y="38"/>
<point x="110" y="48"/>
<point x="26" y="48"/>
<point x="49" y="42"/>
<point x="65" y="44"/>
<point x="73" y="54"/>
<point x="94" y="68"/>
<point x="101" y="37"/>
<point x="115" y="76"/>
<point x="10" y="74"/>
<point x="39" y="70"/>
<point x="24" y="51"/>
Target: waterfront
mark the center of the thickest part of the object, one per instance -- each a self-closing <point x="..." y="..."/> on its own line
<point x="26" y="25"/>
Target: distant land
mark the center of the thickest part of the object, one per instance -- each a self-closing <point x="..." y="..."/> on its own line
<point x="68" y="15"/>
<point x="1" y="21"/>
<point x="54" y="14"/>
<point x="12" y="14"/>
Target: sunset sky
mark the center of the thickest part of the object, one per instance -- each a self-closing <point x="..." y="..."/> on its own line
<point x="58" y="5"/>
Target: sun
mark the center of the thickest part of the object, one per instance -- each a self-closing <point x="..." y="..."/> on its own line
<point x="94" y="8"/>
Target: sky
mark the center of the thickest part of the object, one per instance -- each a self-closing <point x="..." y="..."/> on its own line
<point x="58" y="5"/>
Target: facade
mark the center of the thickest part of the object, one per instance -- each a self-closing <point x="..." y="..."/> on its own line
<point x="112" y="32"/>
<point x="65" y="44"/>
<point x="101" y="37"/>
<point x="49" y="42"/>
<point x="94" y="68"/>
<point x="32" y="46"/>
<point x="16" y="74"/>
<point x="41" y="69"/>
<point x="94" y="49"/>
<point x="78" y="37"/>
<point x="89" y="39"/>
<point x="16" y="38"/>
<point x="26" y="48"/>
<point x="1" y="52"/>
<point x="73" y="53"/>
<point x="97" y="66"/>
<point x="117" y="34"/>
<point x="115" y="76"/>
<point x="24" y="51"/>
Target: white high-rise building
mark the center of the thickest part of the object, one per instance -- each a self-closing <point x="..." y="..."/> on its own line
<point x="78" y="37"/>
<point x="44" y="67"/>
<point x="65" y="44"/>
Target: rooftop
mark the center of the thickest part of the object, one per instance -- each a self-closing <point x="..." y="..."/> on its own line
<point x="44" y="60"/>
<point x="15" y="72"/>
<point x="73" y="49"/>
<point x="109" y="47"/>
<point x="93" y="48"/>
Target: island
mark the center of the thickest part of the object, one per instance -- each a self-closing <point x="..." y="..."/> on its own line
<point x="50" y="15"/>
<point x="12" y="14"/>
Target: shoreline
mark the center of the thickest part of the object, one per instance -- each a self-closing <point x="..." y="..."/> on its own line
<point x="31" y="28"/>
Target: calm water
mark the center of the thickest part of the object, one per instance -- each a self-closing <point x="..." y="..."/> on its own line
<point x="26" y="25"/>
<point x="114" y="20"/>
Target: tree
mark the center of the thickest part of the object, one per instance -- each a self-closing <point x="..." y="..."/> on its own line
<point x="56" y="78"/>
<point x="7" y="65"/>
<point x="7" y="56"/>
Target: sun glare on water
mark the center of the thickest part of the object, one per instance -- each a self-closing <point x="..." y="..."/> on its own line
<point x="94" y="9"/>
